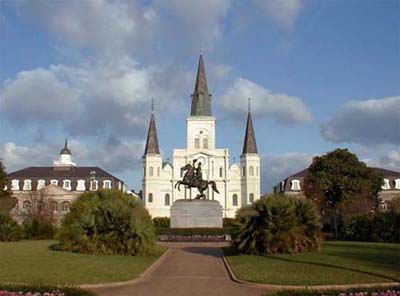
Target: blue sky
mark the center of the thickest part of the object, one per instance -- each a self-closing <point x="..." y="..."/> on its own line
<point x="321" y="75"/>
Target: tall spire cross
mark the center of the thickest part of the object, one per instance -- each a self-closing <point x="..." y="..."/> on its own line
<point x="249" y="145"/>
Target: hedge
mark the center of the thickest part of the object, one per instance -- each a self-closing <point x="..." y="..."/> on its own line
<point x="67" y="290"/>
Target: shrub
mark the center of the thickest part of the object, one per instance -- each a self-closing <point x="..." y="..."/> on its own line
<point x="38" y="229"/>
<point x="277" y="224"/>
<point x="162" y="222"/>
<point x="373" y="227"/>
<point x="9" y="229"/>
<point x="107" y="222"/>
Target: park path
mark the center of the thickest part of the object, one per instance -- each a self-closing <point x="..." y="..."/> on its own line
<point x="188" y="269"/>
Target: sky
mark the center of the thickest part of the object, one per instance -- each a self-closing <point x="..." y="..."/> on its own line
<point x="320" y="75"/>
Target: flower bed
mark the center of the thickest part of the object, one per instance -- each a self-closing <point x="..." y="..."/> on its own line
<point x="28" y="290"/>
<point x="378" y="291"/>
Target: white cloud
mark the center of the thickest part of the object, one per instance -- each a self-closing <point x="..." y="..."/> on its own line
<point x="112" y="154"/>
<point x="284" y="12"/>
<point x="284" y="109"/>
<point x="275" y="168"/>
<point x="371" y="122"/>
<point x="105" y="25"/>
<point x="106" y="97"/>
<point x="389" y="161"/>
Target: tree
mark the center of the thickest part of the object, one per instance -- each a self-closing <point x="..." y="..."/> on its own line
<point x="339" y="178"/>
<point x="277" y="224"/>
<point x="7" y="201"/>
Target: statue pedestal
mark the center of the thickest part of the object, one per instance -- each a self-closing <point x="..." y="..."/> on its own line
<point x="186" y="213"/>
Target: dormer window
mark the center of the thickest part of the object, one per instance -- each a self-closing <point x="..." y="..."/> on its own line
<point x="107" y="184"/>
<point x="386" y="184"/>
<point x="15" y="185"/>
<point x="27" y="185"/>
<point x="81" y="185"/>
<point x="41" y="184"/>
<point x="67" y="184"/>
<point x="54" y="182"/>
<point x="295" y="185"/>
<point x="94" y="185"/>
<point x="397" y="184"/>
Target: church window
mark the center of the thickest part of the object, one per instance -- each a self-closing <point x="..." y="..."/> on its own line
<point x="151" y="171"/>
<point x="107" y="184"/>
<point x="27" y="184"/>
<point x="158" y="171"/>
<point x="251" y="171"/>
<point x="205" y="143"/>
<point x="257" y="171"/>
<point x="251" y="197"/>
<point x="27" y="205"/>
<point x="167" y="200"/>
<point x="54" y="182"/>
<point x="244" y="171"/>
<point x="15" y="184"/>
<point x="397" y="184"/>
<point x="235" y="200"/>
<point x="54" y="206"/>
<point x="65" y="207"/>
<point x="150" y="197"/>
<point x="81" y="185"/>
<point x="295" y="185"/>
<point x="196" y="143"/>
<point x="221" y="172"/>
<point x="67" y="184"/>
<point x="386" y="184"/>
<point x="41" y="184"/>
<point x="94" y="185"/>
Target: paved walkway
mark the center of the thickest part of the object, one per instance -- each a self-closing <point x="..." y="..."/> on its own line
<point x="194" y="269"/>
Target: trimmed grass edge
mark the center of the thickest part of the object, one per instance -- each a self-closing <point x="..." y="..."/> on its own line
<point x="312" y="288"/>
<point x="149" y="269"/>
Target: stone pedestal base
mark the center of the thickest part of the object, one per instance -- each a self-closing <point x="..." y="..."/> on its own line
<point x="196" y="214"/>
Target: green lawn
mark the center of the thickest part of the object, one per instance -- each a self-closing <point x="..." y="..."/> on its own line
<point x="336" y="263"/>
<point x="32" y="262"/>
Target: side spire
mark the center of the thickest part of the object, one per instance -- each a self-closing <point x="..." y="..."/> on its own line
<point x="201" y="98"/>
<point x="249" y="145"/>
<point x="152" y="146"/>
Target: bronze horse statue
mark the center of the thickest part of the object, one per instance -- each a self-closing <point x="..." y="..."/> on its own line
<point x="190" y="180"/>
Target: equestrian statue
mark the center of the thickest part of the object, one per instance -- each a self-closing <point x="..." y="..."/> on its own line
<point x="193" y="178"/>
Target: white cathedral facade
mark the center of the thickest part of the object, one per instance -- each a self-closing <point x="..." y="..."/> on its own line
<point x="238" y="184"/>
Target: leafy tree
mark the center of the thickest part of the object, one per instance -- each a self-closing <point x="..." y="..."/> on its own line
<point x="395" y="204"/>
<point x="107" y="222"/>
<point x="7" y="201"/>
<point x="277" y="224"/>
<point x="338" y="177"/>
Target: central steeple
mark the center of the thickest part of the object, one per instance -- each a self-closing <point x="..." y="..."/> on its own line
<point x="201" y="98"/>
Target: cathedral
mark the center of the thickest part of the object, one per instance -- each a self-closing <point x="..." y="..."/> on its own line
<point x="238" y="184"/>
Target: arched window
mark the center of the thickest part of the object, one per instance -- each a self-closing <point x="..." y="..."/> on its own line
<point x="151" y="171"/>
<point x="205" y="143"/>
<point x="65" y="207"/>
<point x="15" y="184"/>
<point x="196" y="143"/>
<point x="67" y="184"/>
<point x="221" y="172"/>
<point x="94" y="185"/>
<point x="244" y="171"/>
<point x="158" y="171"/>
<point x="54" y="206"/>
<point x="81" y="185"/>
<point x="397" y="184"/>
<point x="41" y="184"/>
<point x="167" y="200"/>
<point x="27" y="205"/>
<point x="150" y="197"/>
<point x="251" y="171"/>
<point x="234" y="200"/>
<point x="107" y="184"/>
<point x="251" y="198"/>
<point x="257" y="171"/>
<point x="27" y="184"/>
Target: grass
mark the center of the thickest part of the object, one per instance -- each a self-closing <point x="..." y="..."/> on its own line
<point x="32" y="262"/>
<point x="336" y="263"/>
